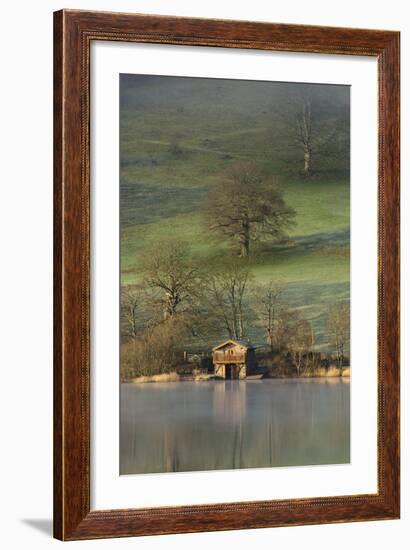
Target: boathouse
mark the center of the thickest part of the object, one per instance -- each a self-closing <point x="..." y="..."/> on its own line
<point x="233" y="359"/>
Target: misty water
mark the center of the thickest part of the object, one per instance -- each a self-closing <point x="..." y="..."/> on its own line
<point x="193" y="426"/>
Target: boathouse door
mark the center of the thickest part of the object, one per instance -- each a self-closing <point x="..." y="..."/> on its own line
<point x="232" y="372"/>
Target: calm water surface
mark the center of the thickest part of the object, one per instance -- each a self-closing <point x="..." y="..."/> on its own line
<point x="215" y="425"/>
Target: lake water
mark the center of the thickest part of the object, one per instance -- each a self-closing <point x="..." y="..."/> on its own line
<point x="215" y="425"/>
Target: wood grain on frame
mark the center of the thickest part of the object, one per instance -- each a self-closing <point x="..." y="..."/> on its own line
<point x="73" y="32"/>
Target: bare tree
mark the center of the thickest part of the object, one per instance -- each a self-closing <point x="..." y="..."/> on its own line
<point x="226" y="292"/>
<point x="269" y="299"/>
<point x="303" y="125"/>
<point x="283" y="327"/>
<point x="317" y="126"/>
<point x="244" y="206"/>
<point x="141" y="309"/>
<point x="170" y="271"/>
<point x="338" y="328"/>
<point x="131" y="304"/>
<point x="300" y="341"/>
<point x="310" y="136"/>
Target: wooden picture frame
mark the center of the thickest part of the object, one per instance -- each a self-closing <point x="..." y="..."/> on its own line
<point x="74" y="32"/>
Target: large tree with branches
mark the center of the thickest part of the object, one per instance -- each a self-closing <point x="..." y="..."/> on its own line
<point x="244" y="206"/>
<point x="226" y="292"/>
<point x="269" y="299"/>
<point x="170" y="272"/>
<point x="317" y="123"/>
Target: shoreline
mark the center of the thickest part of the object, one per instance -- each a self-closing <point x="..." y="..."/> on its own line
<point x="175" y="377"/>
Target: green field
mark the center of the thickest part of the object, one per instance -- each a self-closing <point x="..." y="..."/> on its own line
<point x="177" y="138"/>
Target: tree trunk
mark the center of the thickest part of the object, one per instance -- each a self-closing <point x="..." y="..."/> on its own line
<point x="306" y="166"/>
<point x="244" y="241"/>
<point x="341" y="362"/>
<point x="241" y="325"/>
<point x="244" y="250"/>
<point x="170" y="305"/>
<point x="269" y="333"/>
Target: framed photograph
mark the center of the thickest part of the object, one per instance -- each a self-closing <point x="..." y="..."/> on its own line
<point x="226" y="288"/>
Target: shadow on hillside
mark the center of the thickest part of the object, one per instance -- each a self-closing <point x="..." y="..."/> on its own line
<point x="325" y="242"/>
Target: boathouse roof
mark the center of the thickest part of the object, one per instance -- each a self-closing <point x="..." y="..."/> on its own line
<point x="244" y="343"/>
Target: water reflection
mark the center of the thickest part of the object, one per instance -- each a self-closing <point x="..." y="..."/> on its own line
<point x="229" y="401"/>
<point x="189" y="426"/>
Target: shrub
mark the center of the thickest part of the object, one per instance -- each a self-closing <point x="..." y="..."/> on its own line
<point x="158" y="350"/>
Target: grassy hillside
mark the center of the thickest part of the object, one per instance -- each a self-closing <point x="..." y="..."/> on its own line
<point x="178" y="135"/>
